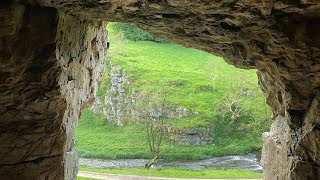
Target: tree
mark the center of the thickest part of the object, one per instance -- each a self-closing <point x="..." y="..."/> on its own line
<point x="234" y="101"/>
<point x="151" y="109"/>
<point x="234" y="109"/>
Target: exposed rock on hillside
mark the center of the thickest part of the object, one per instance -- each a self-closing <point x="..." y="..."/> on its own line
<point x="192" y="136"/>
<point x="49" y="71"/>
<point x="117" y="101"/>
<point x="120" y="106"/>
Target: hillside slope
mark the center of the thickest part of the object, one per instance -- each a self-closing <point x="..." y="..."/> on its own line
<point x="204" y="90"/>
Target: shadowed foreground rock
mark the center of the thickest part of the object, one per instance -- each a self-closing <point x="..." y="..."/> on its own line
<point x="50" y="65"/>
<point x="51" y="58"/>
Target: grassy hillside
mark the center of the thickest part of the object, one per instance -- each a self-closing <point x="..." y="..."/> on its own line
<point x="200" y="82"/>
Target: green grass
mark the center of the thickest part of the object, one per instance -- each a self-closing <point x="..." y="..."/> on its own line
<point x="180" y="173"/>
<point x="196" y="80"/>
<point x="84" y="178"/>
<point x="97" y="139"/>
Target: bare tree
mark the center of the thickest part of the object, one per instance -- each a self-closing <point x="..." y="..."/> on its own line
<point x="234" y="101"/>
<point x="234" y="109"/>
<point x="151" y="109"/>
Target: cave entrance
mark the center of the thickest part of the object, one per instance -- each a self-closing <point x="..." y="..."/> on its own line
<point x="52" y="55"/>
<point x="157" y="98"/>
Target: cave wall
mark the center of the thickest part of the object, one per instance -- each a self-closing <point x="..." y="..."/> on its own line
<point x="80" y="50"/>
<point x="50" y="65"/>
<point x="31" y="106"/>
<point x="52" y="56"/>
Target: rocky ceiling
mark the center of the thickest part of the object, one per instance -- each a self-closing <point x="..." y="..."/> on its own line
<point x="51" y="59"/>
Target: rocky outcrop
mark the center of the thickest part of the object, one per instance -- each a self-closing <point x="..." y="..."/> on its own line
<point x="80" y="50"/>
<point x="192" y="136"/>
<point x="121" y="103"/>
<point x="293" y="144"/>
<point x="117" y="100"/>
<point x="49" y="71"/>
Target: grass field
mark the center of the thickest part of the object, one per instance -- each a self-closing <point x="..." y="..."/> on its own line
<point x="198" y="81"/>
<point x="97" y="139"/>
<point x="180" y="173"/>
<point x="84" y="178"/>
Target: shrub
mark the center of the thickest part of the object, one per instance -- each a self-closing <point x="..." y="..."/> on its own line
<point x="133" y="32"/>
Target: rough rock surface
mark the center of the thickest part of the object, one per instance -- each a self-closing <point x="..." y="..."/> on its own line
<point x="41" y="93"/>
<point x="50" y="65"/>
<point x="192" y="136"/>
<point x="116" y="102"/>
<point x="120" y="100"/>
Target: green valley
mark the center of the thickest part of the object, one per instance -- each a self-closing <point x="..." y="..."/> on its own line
<point x="202" y="92"/>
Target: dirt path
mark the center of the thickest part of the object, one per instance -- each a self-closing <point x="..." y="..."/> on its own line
<point x="132" y="177"/>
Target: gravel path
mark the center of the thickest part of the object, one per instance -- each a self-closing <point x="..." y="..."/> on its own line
<point x="130" y="177"/>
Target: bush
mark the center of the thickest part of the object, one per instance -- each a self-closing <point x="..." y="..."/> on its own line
<point x="133" y="32"/>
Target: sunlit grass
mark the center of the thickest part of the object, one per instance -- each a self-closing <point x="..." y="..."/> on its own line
<point x="97" y="139"/>
<point x="180" y="173"/>
<point x="84" y="178"/>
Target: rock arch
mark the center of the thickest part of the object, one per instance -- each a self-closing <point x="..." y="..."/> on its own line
<point x="51" y="59"/>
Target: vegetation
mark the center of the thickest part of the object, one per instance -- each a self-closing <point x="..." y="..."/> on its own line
<point x="133" y="33"/>
<point x="180" y="173"/>
<point x="84" y="178"/>
<point x="151" y="111"/>
<point x="215" y="94"/>
<point x="95" y="138"/>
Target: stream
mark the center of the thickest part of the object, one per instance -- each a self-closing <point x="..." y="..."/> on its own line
<point x="245" y="162"/>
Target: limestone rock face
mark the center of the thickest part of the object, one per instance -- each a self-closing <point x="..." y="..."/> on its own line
<point x="80" y="51"/>
<point x="116" y="103"/>
<point x="51" y="56"/>
<point x="119" y="102"/>
<point x="192" y="136"/>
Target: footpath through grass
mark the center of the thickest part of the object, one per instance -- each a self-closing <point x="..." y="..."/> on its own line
<point x="180" y="173"/>
<point x="198" y="81"/>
